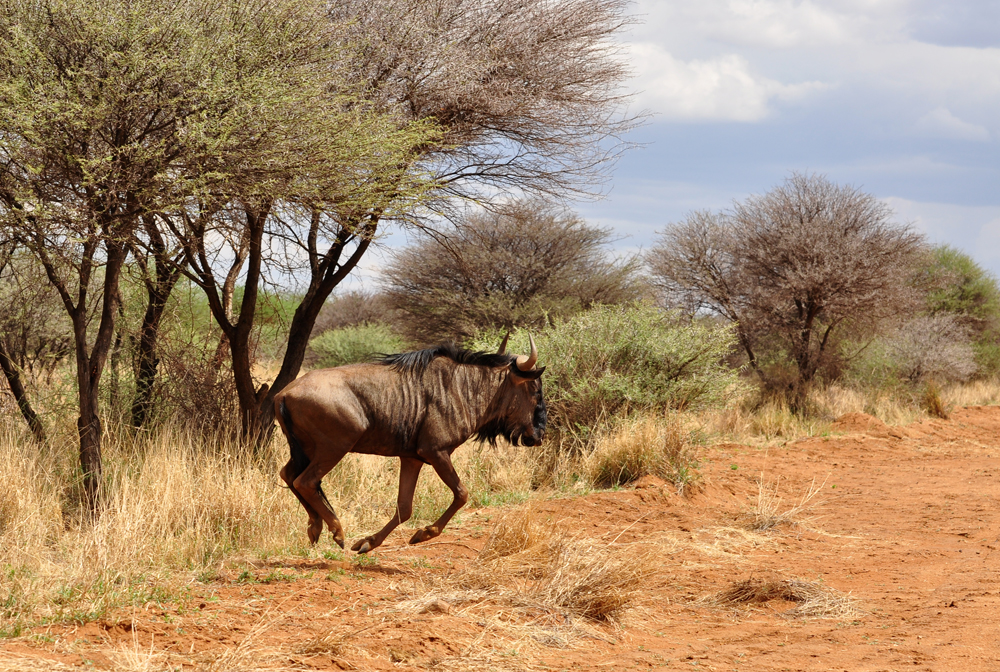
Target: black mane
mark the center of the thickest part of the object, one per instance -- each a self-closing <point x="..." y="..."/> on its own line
<point x="416" y="362"/>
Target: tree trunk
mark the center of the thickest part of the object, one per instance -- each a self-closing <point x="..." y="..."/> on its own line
<point x="158" y="293"/>
<point x="89" y="369"/>
<point x="91" y="461"/>
<point x="13" y="375"/>
<point x="321" y="287"/>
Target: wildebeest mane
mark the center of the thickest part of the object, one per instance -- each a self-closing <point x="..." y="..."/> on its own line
<point x="416" y="362"/>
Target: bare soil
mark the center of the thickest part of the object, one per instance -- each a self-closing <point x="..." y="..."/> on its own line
<point x="906" y="524"/>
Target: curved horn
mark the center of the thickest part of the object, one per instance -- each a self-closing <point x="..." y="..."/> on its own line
<point x="527" y="362"/>
<point x="503" y="345"/>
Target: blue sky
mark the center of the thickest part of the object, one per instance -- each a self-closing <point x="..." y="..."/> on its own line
<point x="900" y="98"/>
<point x="897" y="97"/>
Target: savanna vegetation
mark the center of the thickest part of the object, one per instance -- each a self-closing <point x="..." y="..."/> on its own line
<point x="184" y="188"/>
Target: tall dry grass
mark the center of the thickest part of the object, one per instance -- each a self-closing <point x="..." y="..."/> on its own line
<point x="179" y="506"/>
<point x="755" y="421"/>
<point x="634" y="447"/>
<point x="169" y="504"/>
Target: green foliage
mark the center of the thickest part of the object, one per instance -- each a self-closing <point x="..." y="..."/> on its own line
<point x="353" y="344"/>
<point x="960" y="286"/>
<point x="619" y="358"/>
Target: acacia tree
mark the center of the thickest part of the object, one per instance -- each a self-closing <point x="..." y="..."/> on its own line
<point x="522" y="266"/>
<point x="511" y="95"/>
<point x="798" y="264"/>
<point x="118" y="113"/>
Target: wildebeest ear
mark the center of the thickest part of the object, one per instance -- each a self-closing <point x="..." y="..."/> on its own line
<point x="520" y="376"/>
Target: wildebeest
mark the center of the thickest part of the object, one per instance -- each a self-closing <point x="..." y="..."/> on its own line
<point x="418" y="406"/>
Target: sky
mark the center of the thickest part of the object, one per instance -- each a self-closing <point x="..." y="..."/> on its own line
<point x="900" y="98"/>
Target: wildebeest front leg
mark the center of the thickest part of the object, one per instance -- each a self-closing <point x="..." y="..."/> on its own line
<point x="441" y="462"/>
<point x="409" y="470"/>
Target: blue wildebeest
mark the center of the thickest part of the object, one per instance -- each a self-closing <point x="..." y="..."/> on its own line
<point x="418" y="406"/>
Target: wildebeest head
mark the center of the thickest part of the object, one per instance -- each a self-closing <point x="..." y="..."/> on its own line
<point x="521" y="414"/>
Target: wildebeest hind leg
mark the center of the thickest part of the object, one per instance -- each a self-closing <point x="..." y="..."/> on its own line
<point x="441" y="462"/>
<point x="409" y="470"/>
<point x="315" y="521"/>
<point x="307" y="484"/>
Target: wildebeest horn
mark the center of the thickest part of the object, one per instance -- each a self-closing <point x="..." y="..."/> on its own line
<point x="503" y="345"/>
<point x="527" y="362"/>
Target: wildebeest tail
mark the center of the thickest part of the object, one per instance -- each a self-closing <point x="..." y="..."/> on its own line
<point x="299" y="458"/>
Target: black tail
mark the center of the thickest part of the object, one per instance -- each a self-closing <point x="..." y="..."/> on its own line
<point x="299" y="458"/>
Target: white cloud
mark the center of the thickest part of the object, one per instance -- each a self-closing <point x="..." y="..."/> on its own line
<point x="782" y="24"/>
<point x="734" y="59"/>
<point x="717" y="89"/>
<point x="941" y="123"/>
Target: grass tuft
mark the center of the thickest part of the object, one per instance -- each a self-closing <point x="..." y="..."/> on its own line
<point x="642" y="446"/>
<point x="814" y="599"/>
<point x="767" y="512"/>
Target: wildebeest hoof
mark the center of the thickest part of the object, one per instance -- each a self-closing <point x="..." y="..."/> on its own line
<point x="340" y="542"/>
<point x="364" y="545"/>
<point x="424" y="534"/>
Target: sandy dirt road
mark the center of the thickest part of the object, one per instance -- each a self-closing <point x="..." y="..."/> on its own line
<point x="906" y="523"/>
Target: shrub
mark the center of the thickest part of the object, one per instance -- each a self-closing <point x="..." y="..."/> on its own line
<point x="795" y="269"/>
<point x="353" y="344"/>
<point x="613" y="359"/>
<point x="957" y="285"/>
<point x="936" y="348"/>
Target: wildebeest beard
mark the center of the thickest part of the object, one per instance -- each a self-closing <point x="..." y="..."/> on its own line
<point x="502" y="426"/>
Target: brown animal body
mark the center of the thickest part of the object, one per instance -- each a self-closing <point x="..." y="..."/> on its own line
<point x="418" y="406"/>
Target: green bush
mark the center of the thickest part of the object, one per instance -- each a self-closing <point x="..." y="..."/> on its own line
<point x="614" y="359"/>
<point x="358" y="343"/>
<point x="958" y="286"/>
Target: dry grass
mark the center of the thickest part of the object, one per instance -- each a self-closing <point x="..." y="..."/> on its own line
<point x="753" y="422"/>
<point x="169" y="505"/>
<point x="973" y="393"/>
<point x="932" y="402"/>
<point x="639" y="446"/>
<point x="814" y="600"/>
<point x="532" y="565"/>
<point x="179" y="507"/>
<point x="768" y="513"/>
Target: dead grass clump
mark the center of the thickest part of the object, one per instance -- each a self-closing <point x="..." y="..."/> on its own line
<point x="768" y="513"/>
<point x="515" y="533"/>
<point x="932" y="401"/>
<point x="331" y="643"/>
<point x="528" y="563"/>
<point x="814" y="599"/>
<point x="638" y="447"/>
<point x="593" y="581"/>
